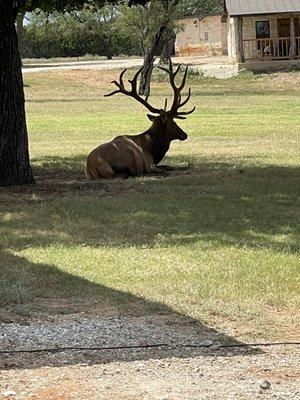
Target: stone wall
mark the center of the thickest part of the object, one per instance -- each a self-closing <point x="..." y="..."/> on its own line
<point x="205" y="36"/>
<point x="249" y="26"/>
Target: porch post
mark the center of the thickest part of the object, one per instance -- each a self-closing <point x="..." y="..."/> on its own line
<point x="240" y="45"/>
<point x="293" y="39"/>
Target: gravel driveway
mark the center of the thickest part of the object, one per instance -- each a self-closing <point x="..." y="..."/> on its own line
<point x="218" y="67"/>
<point x="173" y="372"/>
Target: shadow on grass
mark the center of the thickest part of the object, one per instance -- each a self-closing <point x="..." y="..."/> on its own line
<point x="36" y="277"/>
<point x="227" y="203"/>
<point x="46" y="166"/>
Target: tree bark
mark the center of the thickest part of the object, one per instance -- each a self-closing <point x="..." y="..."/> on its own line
<point x="168" y="48"/>
<point x="144" y="88"/>
<point x="14" y="156"/>
<point x="20" y="31"/>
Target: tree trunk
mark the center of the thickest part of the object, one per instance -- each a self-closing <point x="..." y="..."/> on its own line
<point x="20" y="31"/>
<point x="144" y="88"/>
<point x="169" y="44"/>
<point x="108" y="46"/>
<point x="14" y="157"/>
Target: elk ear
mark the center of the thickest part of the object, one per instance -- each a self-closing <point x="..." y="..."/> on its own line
<point x="151" y="117"/>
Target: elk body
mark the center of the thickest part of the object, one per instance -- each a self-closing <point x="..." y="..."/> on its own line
<point x="137" y="155"/>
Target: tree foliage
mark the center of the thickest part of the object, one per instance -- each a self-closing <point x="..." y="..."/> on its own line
<point x="51" y="6"/>
<point x="109" y="30"/>
<point x="200" y="8"/>
<point x="142" y="21"/>
<point x="77" y="33"/>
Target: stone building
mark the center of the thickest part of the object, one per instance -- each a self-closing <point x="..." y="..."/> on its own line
<point x="263" y="34"/>
<point x="201" y="36"/>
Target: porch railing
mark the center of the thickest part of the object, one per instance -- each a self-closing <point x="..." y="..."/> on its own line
<point x="270" y="49"/>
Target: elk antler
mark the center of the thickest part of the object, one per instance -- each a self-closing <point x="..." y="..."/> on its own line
<point x="177" y="92"/>
<point x="133" y="92"/>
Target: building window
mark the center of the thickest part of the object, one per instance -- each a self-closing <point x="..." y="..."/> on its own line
<point x="262" y="32"/>
<point x="206" y="36"/>
<point x="262" y="29"/>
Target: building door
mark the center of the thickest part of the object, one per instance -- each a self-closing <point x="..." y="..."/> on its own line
<point x="284" y="27"/>
<point x="284" y="33"/>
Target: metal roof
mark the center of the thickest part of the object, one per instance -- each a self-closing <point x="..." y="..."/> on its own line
<point x="257" y="7"/>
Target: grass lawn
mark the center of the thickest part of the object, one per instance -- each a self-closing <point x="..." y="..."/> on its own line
<point x="216" y="242"/>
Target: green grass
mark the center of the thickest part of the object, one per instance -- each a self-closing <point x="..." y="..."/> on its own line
<point x="218" y="243"/>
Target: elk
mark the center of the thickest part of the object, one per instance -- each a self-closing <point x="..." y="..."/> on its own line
<point x="130" y="156"/>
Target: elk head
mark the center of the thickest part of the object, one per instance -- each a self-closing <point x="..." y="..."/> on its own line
<point x="163" y="119"/>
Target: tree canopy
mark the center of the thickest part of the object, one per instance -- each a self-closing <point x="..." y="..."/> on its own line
<point x="88" y="31"/>
<point x="200" y="8"/>
<point x="185" y="6"/>
<point x="66" y="5"/>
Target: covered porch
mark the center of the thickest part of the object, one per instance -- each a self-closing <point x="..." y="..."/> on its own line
<point x="276" y="38"/>
<point x="265" y="33"/>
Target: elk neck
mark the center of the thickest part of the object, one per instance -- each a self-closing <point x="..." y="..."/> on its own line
<point x="157" y="142"/>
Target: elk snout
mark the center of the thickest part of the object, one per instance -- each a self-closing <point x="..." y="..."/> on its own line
<point x="183" y="136"/>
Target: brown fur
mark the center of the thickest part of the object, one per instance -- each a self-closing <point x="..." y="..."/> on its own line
<point x="137" y="155"/>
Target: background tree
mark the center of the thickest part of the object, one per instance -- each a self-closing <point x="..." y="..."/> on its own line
<point x="167" y="12"/>
<point x="142" y="21"/>
<point x="168" y="40"/>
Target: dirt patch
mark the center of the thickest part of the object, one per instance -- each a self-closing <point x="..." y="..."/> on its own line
<point x="96" y="78"/>
<point x="58" y="309"/>
<point x="52" y="394"/>
<point x="219" y="71"/>
<point x="156" y="375"/>
<point x="280" y="81"/>
<point x="53" y="183"/>
<point x="276" y="374"/>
